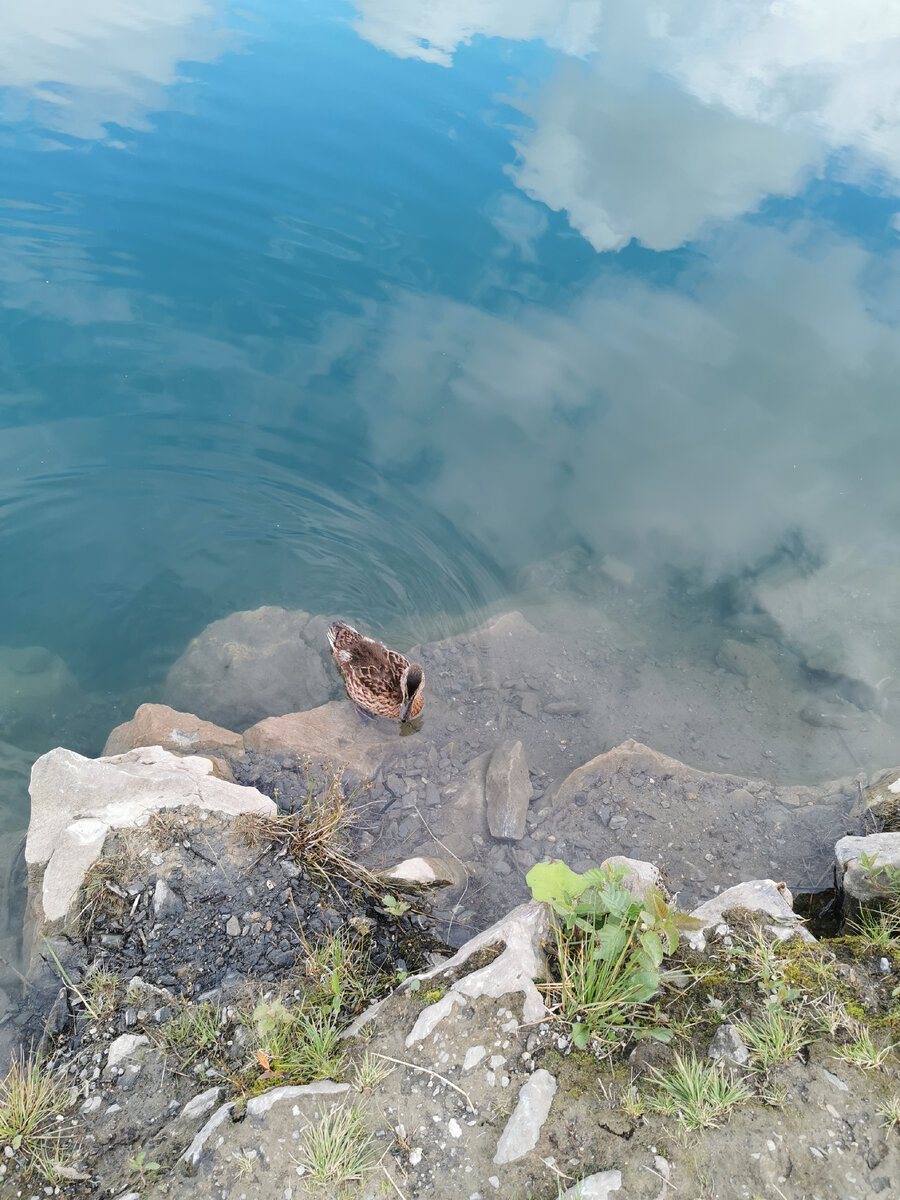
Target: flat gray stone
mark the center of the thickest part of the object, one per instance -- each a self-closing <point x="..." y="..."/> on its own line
<point x="727" y="1046"/>
<point x="595" y="1187"/>
<point x="258" y="1106"/>
<point x="165" y="902"/>
<point x="859" y="883"/>
<point x="523" y="1129"/>
<point x="233" y="927"/>
<point x="193" y="1154"/>
<point x="200" y="1105"/>
<point x="124" y="1048"/>
<point x="507" y="789"/>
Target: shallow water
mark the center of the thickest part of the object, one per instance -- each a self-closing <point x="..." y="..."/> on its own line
<point x="365" y="309"/>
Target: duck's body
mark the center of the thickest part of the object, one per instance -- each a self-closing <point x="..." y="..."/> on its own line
<point x="379" y="680"/>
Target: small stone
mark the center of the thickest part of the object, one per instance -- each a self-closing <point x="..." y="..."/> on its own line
<point x="596" y="1187"/>
<point x="884" y="966"/>
<point x="165" y="902"/>
<point x="473" y="1057"/>
<point x="523" y="1129"/>
<point x="415" y="1156"/>
<point x="835" y="1082"/>
<point x="728" y="1046"/>
<point x="233" y="927"/>
<point x="618" y="821"/>
<point x="123" y="1048"/>
<point x="454" y="1128"/>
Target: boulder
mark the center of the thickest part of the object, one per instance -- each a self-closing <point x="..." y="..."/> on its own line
<point x="75" y="801"/>
<point x="865" y="884"/>
<point x="334" y="732"/>
<point x="251" y="665"/>
<point x="508" y="791"/>
<point x="178" y="732"/>
<point x="842" y="618"/>
<point x="38" y="691"/>
<point x="755" y="896"/>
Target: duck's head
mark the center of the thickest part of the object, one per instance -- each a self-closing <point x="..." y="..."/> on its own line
<point x="412" y="684"/>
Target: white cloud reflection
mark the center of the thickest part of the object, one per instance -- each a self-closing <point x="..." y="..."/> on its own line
<point x="73" y="68"/>
<point x="678" y="115"/>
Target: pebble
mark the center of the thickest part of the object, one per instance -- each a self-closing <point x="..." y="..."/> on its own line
<point x="233" y="927"/>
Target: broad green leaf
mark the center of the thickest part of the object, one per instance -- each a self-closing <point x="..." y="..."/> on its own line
<point x="654" y="1032"/>
<point x="270" y="1015"/>
<point x="555" y="882"/>
<point x="651" y="943"/>
<point x="609" y="942"/>
<point x="581" y="1035"/>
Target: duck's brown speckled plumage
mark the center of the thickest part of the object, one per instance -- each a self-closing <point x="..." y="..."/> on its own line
<point x="379" y="680"/>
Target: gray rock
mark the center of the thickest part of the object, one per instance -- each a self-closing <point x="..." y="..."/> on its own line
<point x="523" y="1129"/>
<point x="252" y="665"/>
<point x="122" y="1049"/>
<point x="165" y="901"/>
<point x="507" y="791"/>
<point x="200" y="1105"/>
<point x="233" y="927"/>
<point x="835" y="1081"/>
<point x="75" y="801"/>
<point x="595" y="1187"/>
<point x="728" y="1046"/>
<point x="756" y="896"/>
<point x="861" y="884"/>
<point x="258" y="1106"/>
<point x="522" y="960"/>
<point x="193" y="1154"/>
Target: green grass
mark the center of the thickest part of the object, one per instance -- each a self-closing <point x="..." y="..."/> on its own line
<point x="301" y="1044"/>
<point x="699" y="1093"/>
<point x="101" y="991"/>
<point x="890" y="1112"/>
<point x="370" y="1072"/>
<point x="863" y="1052"/>
<point x="338" y="1149"/>
<point x="193" y="1031"/>
<point x="774" y="1037"/>
<point x="878" y="928"/>
<point x="31" y="1101"/>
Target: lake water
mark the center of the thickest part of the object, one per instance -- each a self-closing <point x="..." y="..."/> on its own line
<point x="363" y="309"/>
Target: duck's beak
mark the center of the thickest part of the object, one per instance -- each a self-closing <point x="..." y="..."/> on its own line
<point x="404" y="708"/>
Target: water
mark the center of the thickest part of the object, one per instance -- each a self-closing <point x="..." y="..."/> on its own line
<point x="364" y="309"/>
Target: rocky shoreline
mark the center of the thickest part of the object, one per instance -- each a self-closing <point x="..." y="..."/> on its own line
<point x="185" y="887"/>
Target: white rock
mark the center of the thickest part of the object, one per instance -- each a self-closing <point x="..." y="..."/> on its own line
<point x="259" y="1105"/>
<point x="76" y="800"/>
<point x="124" y="1048"/>
<point x="756" y="896"/>
<point x="514" y="970"/>
<point x="194" y="1152"/>
<point x="454" y="1128"/>
<point x="473" y="1057"/>
<point x="200" y="1105"/>
<point x="430" y="872"/>
<point x="523" y="1129"/>
<point x="858" y="882"/>
<point x="641" y="877"/>
<point x="595" y="1187"/>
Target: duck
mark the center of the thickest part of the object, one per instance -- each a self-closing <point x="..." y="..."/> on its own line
<point x="378" y="680"/>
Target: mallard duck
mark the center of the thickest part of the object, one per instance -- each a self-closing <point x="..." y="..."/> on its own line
<point x="377" y="679"/>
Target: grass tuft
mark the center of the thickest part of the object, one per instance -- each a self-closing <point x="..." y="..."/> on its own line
<point x="699" y="1093"/>
<point x="890" y="1112"/>
<point x="338" y="1150"/>
<point x="774" y="1037"/>
<point x="863" y="1052"/>
<point x="31" y="1103"/>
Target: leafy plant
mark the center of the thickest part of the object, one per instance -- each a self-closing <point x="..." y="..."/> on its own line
<point x="699" y="1093"/>
<point x="303" y="1044"/>
<point x="140" y="1167"/>
<point x="884" y="877"/>
<point x="610" y="946"/>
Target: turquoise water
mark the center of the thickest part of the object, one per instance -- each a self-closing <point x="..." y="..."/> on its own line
<point x="361" y="309"/>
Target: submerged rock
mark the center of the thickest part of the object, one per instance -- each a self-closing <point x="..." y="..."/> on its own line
<point x="332" y="732"/>
<point x="507" y="791"/>
<point x="252" y="664"/>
